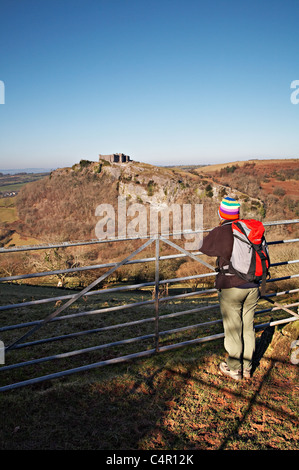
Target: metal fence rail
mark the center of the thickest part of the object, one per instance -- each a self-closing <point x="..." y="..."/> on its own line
<point x="154" y="319"/>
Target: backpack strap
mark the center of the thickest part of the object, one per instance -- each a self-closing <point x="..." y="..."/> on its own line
<point x="266" y="274"/>
<point x="224" y="269"/>
<point x="264" y="277"/>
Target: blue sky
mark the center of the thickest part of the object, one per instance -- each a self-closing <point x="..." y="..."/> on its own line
<point x="164" y="81"/>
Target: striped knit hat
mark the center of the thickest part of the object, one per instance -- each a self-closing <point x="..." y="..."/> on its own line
<point x="229" y="209"/>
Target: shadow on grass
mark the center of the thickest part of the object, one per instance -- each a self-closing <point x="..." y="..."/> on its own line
<point x="168" y="402"/>
<point x="262" y="345"/>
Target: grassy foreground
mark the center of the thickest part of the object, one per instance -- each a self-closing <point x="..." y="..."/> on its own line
<point x="176" y="400"/>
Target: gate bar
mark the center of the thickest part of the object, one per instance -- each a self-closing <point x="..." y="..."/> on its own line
<point x="80" y="294"/>
<point x="117" y="239"/>
<point x="128" y="357"/>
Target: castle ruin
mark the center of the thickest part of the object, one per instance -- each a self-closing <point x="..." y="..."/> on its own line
<point x="115" y="158"/>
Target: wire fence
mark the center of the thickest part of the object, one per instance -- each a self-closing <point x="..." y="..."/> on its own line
<point x="146" y="317"/>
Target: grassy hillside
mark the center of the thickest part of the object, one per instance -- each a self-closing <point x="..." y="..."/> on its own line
<point x="62" y="206"/>
<point x="8" y="211"/>
<point x="15" y="182"/>
<point x="274" y="182"/>
<point x="10" y="186"/>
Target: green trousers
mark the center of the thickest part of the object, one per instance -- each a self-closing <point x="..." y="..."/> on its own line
<point x="237" y="310"/>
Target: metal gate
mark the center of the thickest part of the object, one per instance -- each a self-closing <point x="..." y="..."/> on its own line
<point x="152" y="337"/>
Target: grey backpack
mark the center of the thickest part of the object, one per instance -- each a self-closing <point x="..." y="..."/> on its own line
<point x="250" y="258"/>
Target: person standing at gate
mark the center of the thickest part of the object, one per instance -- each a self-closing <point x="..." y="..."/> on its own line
<point x="238" y="298"/>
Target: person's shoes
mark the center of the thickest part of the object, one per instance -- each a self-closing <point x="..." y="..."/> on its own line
<point x="234" y="374"/>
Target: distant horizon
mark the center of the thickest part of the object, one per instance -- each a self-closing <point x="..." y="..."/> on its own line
<point x="45" y="169"/>
<point x="26" y="170"/>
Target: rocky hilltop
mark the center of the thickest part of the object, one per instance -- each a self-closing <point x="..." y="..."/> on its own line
<point x="62" y="206"/>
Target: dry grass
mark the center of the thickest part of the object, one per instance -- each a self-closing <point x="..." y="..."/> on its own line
<point x="8" y="212"/>
<point x="173" y="401"/>
<point x="273" y="182"/>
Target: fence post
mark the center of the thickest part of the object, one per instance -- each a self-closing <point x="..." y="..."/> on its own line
<point x="157" y="294"/>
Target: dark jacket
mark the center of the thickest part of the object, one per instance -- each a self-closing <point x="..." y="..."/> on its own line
<point x="219" y="242"/>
